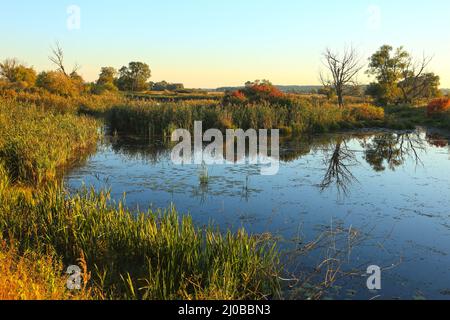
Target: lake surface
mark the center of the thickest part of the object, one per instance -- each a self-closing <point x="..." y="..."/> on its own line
<point x="339" y="202"/>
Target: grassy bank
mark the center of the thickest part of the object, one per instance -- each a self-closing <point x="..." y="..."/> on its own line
<point x="125" y="255"/>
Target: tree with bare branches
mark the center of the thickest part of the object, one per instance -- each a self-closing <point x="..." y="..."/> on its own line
<point x="342" y="70"/>
<point x="57" y="58"/>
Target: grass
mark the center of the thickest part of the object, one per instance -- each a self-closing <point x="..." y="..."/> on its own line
<point x="130" y="255"/>
<point x="35" y="145"/>
<point x="303" y="116"/>
<point x="407" y="117"/>
<point x="32" y="276"/>
<point x="146" y="255"/>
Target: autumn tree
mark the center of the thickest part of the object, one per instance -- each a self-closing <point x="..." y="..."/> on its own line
<point x="341" y="71"/>
<point x="16" y="73"/>
<point x="134" y="77"/>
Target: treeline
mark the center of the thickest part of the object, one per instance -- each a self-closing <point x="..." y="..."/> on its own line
<point x="134" y="77"/>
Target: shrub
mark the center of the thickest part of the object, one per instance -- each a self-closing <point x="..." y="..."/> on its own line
<point x="58" y="83"/>
<point x="438" y="106"/>
<point x="257" y="92"/>
<point x="234" y="97"/>
<point x="367" y="112"/>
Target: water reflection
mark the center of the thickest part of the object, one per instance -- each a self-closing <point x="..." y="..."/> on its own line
<point x="382" y="150"/>
<point x="339" y="160"/>
<point x="392" y="149"/>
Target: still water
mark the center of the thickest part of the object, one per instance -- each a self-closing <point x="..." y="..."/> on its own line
<point x="339" y="202"/>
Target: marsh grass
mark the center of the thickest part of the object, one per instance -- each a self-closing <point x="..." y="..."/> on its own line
<point x="35" y="145"/>
<point x="304" y="115"/>
<point x="145" y="255"/>
<point x="33" y="276"/>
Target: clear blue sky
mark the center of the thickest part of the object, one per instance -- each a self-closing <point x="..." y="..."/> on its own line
<point x="209" y="43"/>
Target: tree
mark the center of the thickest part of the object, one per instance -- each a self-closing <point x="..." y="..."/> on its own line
<point x="107" y="75"/>
<point x="134" y="77"/>
<point x="106" y="80"/>
<point x="57" y="58"/>
<point x="15" y="72"/>
<point x="400" y="78"/>
<point x="342" y="71"/>
<point x="164" y="85"/>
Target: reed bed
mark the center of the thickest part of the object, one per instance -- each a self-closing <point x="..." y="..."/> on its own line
<point x="35" y="145"/>
<point x="303" y="115"/>
<point x="145" y="255"/>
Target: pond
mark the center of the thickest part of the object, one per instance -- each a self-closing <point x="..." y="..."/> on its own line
<point x="339" y="202"/>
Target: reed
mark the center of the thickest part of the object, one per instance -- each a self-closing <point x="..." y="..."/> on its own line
<point x="35" y="145"/>
<point x="302" y="116"/>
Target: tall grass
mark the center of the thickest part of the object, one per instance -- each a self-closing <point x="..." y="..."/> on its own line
<point x="35" y="145"/>
<point x="88" y="103"/>
<point x="33" y="276"/>
<point x="150" y="255"/>
<point x="303" y="115"/>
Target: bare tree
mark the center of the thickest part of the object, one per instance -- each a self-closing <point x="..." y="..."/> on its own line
<point x="342" y="71"/>
<point x="416" y="81"/>
<point x="57" y="58"/>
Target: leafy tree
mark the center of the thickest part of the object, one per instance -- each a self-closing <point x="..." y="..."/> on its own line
<point x="78" y="82"/>
<point x="400" y="79"/>
<point x="134" y="77"/>
<point x="14" y="72"/>
<point x="107" y="75"/>
<point x="106" y="80"/>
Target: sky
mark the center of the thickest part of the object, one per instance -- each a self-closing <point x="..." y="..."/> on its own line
<point x="212" y="43"/>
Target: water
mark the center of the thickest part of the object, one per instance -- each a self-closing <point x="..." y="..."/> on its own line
<point x="340" y="201"/>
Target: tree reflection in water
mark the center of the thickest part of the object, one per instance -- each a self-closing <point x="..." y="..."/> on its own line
<point x="393" y="149"/>
<point x="338" y="160"/>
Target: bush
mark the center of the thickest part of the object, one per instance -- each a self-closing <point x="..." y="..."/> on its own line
<point x="438" y="106"/>
<point x="367" y="112"/>
<point x="257" y="92"/>
<point x="58" y="83"/>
